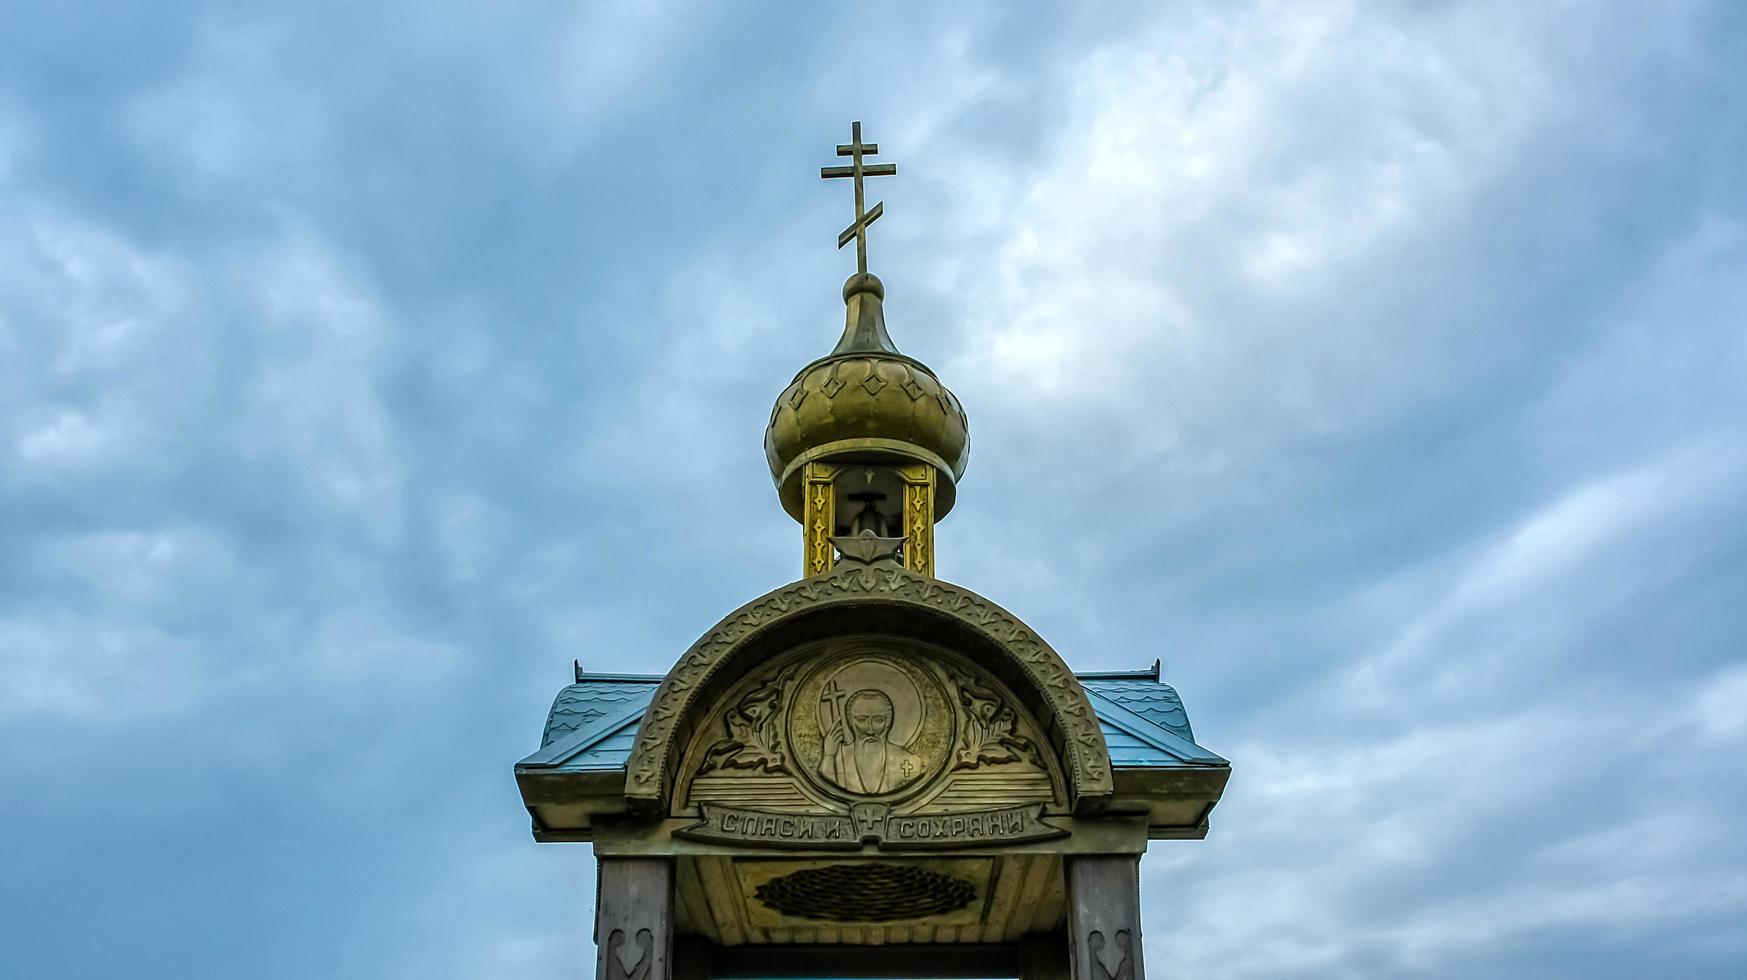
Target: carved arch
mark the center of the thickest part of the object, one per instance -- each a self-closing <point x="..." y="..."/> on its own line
<point x="858" y="599"/>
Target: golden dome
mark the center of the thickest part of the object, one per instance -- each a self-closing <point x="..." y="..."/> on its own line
<point x="867" y="401"/>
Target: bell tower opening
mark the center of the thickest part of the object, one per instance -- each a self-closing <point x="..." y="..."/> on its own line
<point x="871" y="518"/>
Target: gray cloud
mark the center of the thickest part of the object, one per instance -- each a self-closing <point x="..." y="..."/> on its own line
<point x="1377" y="368"/>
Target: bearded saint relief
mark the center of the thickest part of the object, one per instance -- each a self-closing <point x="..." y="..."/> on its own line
<point x="859" y="754"/>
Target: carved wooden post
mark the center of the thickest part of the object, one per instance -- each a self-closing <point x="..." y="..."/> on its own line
<point x="633" y="919"/>
<point x="1104" y="917"/>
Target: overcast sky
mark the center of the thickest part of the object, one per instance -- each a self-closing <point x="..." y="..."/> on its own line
<point x="1381" y="368"/>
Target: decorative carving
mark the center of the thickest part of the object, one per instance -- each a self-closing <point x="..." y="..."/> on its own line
<point x="821" y="520"/>
<point x="918" y="518"/>
<point x="647" y="780"/>
<point x="987" y="730"/>
<point x="865" y="892"/>
<point x="919" y="525"/>
<point x="870" y="725"/>
<point x="870" y="823"/>
<point x="754" y="728"/>
<point x="868" y="549"/>
<point x="621" y="964"/>
<point x="860" y="754"/>
<point x="1123" y="955"/>
<point x="939" y="737"/>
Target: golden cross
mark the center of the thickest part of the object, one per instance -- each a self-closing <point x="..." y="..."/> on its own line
<point x="855" y="149"/>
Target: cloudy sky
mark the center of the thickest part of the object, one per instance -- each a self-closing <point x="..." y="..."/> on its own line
<point x="1379" y="367"/>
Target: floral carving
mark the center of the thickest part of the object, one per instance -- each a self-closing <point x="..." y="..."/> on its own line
<point x="754" y="731"/>
<point x="987" y="735"/>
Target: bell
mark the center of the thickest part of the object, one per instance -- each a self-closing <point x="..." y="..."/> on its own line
<point x="868" y="518"/>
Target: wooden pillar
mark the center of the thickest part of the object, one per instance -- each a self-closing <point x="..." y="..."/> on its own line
<point x="1104" y="917"/>
<point x="633" y="919"/>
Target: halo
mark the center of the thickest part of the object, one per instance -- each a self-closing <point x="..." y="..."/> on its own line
<point x="881" y="675"/>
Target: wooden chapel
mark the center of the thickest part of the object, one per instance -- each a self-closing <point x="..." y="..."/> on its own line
<point x="869" y="772"/>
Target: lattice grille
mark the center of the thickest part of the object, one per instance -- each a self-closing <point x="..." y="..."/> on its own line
<point x="866" y="892"/>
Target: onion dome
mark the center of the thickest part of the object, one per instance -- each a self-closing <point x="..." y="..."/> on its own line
<point x="865" y="400"/>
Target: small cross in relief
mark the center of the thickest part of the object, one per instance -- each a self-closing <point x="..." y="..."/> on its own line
<point x="855" y="149"/>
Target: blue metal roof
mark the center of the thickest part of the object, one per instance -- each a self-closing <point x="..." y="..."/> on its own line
<point x="1157" y="703"/>
<point x="594" y="721"/>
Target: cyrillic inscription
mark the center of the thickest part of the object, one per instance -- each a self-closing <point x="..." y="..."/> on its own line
<point x="871" y="823"/>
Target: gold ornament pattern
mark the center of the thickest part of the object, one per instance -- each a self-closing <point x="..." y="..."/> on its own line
<point x="919" y="536"/>
<point x="821" y="520"/>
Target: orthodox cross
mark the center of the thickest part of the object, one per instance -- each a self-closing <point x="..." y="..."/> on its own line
<point x="837" y="709"/>
<point x="855" y="149"/>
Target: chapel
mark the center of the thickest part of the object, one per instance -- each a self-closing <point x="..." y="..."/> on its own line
<point x="870" y="771"/>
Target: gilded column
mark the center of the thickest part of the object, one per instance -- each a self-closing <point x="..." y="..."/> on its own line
<point x="820" y="521"/>
<point x="919" y="519"/>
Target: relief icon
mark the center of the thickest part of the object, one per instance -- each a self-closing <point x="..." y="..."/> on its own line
<point x="860" y="755"/>
<point x="870" y="717"/>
